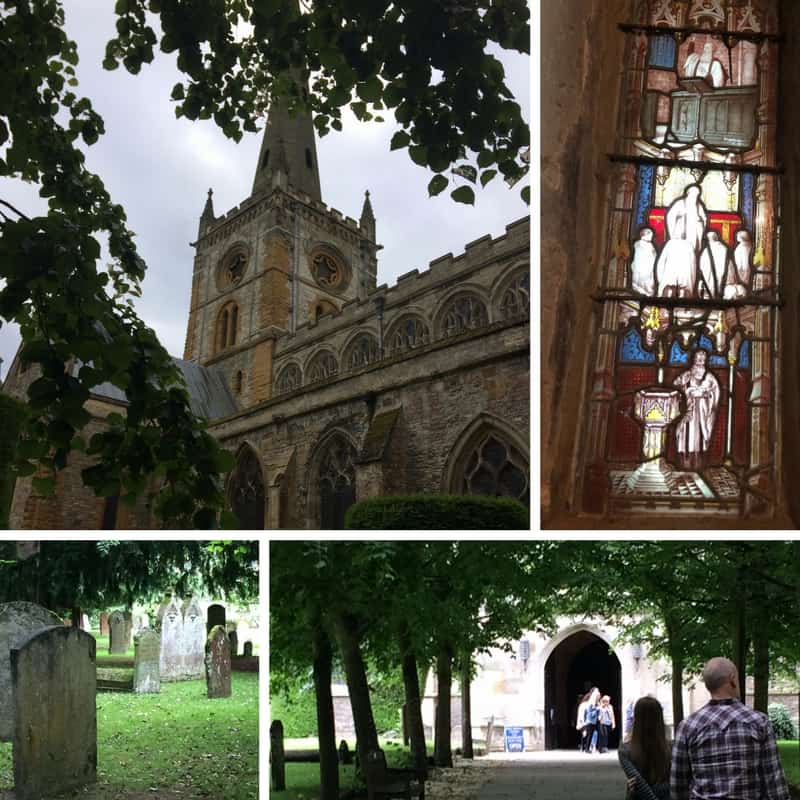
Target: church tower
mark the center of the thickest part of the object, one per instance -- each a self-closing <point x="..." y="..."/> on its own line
<point x="275" y="263"/>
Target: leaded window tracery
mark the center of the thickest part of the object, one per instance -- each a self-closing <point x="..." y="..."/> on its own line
<point x="289" y="379"/>
<point x="408" y="333"/>
<point x="246" y="491"/>
<point x="516" y="299"/>
<point x="497" y="469"/>
<point x="363" y="351"/>
<point x="336" y="482"/>
<point x="464" y="312"/>
<point x="322" y="366"/>
<point x="682" y="412"/>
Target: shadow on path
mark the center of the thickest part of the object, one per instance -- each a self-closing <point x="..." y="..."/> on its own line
<point x="555" y="775"/>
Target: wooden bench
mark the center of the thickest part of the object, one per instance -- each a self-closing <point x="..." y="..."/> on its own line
<point x="390" y="784"/>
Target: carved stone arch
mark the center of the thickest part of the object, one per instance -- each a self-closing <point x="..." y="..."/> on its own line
<point x="246" y="494"/>
<point x="511" y="293"/>
<point x="408" y="330"/>
<point x="464" y="308"/>
<point x="290" y="378"/>
<point x="321" y="365"/>
<point x="331" y="480"/>
<point x="232" y="266"/>
<point x="360" y="349"/>
<point x="489" y="457"/>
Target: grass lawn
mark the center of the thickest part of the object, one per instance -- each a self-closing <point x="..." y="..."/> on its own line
<point x="790" y="758"/>
<point x="177" y="744"/>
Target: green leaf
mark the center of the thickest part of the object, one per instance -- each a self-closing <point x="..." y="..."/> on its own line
<point x="437" y="185"/>
<point x="526" y="194"/>
<point x="485" y="157"/>
<point x="371" y="90"/>
<point x="463" y="194"/>
<point x="487" y="176"/>
<point x="419" y="154"/>
<point x="400" y="139"/>
<point x="44" y="486"/>
<point x="177" y="92"/>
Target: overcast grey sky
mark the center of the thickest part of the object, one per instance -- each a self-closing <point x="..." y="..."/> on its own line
<point x="160" y="168"/>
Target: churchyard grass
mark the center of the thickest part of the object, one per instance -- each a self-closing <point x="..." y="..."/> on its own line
<point x="790" y="759"/>
<point x="178" y="742"/>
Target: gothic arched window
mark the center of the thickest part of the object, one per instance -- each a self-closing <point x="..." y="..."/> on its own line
<point x="336" y="482"/>
<point x="681" y="414"/>
<point x="516" y="298"/>
<point x="496" y="468"/>
<point x="407" y="333"/>
<point x="246" y="491"/>
<point x="464" y="312"/>
<point x="226" y="328"/>
<point x="363" y="351"/>
<point x="289" y="379"/>
<point x="322" y="366"/>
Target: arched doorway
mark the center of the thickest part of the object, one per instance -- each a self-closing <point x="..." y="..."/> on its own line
<point x="578" y="663"/>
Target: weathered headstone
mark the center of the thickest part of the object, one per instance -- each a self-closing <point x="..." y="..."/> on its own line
<point x="215" y="615"/>
<point x="54" y="678"/>
<point x="193" y="639"/>
<point x="218" y="663"/>
<point x="117" y="641"/>
<point x="233" y="638"/>
<point x="277" y="758"/>
<point x="248" y="649"/>
<point x="85" y="626"/>
<point x="17" y="622"/>
<point x="104" y="623"/>
<point x="171" y="643"/>
<point x="146" y="662"/>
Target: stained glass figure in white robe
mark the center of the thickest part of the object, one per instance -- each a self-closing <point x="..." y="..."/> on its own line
<point x="693" y="431"/>
<point x="644" y="262"/>
<point x="677" y="264"/>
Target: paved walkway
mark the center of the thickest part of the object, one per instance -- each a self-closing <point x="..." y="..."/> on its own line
<point x="555" y="775"/>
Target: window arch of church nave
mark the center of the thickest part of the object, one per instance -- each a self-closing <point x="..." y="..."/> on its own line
<point x="512" y="295"/>
<point x="320" y="307"/>
<point x="462" y="311"/>
<point x="407" y="333"/>
<point x="329" y="268"/>
<point x="333" y="480"/>
<point x="289" y="378"/>
<point x="226" y="328"/>
<point x="361" y="350"/>
<point x="232" y="266"/>
<point x="321" y="365"/>
<point x="246" y="494"/>
<point x="489" y="458"/>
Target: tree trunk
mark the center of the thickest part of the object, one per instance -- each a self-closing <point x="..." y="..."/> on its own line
<point x="442" y="752"/>
<point x="677" y="672"/>
<point x="466" y="706"/>
<point x="349" y="642"/>
<point x="416" y="730"/>
<point x="760" y="649"/>
<point x="739" y="636"/>
<point x="326" y="729"/>
<point x="76" y="617"/>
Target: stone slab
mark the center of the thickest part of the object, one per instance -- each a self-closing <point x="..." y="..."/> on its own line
<point x="218" y="663"/>
<point x="146" y="662"/>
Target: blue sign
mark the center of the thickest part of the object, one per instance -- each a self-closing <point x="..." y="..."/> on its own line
<point x="515" y="740"/>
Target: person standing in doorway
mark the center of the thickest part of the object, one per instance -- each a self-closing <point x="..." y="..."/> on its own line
<point x="726" y="749"/>
<point x="592" y="717"/>
<point x="606" y="722"/>
<point x="580" y="722"/>
<point x="645" y="759"/>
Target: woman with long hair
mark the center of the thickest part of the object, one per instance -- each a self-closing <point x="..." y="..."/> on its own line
<point x="592" y="720"/>
<point x="580" y="724"/>
<point x="646" y="757"/>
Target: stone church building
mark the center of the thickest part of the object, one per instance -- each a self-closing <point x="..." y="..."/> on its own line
<point x="328" y="387"/>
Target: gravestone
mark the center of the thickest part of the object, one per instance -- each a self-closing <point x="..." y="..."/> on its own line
<point x="104" y="623"/>
<point x="54" y="676"/>
<point x="215" y="616"/>
<point x="218" y="663"/>
<point x="85" y="625"/>
<point x="171" y="660"/>
<point x="233" y="638"/>
<point x="117" y="641"/>
<point x="193" y="639"/>
<point x="17" y="622"/>
<point x="277" y="756"/>
<point x="248" y="649"/>
<point x="146" y="662"/>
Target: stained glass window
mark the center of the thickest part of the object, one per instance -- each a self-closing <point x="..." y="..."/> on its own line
<point x="463" y="313"/>
<point x="497" y="469"/>
<point x="246" y="491"/>
<point x="337" y="483"/>
<point x="363" y="351"/>
<point x="322" y="366"/>
<point x="682" y="414"/>
<point x="289" y="379"/>
<point x="408" y="333"/>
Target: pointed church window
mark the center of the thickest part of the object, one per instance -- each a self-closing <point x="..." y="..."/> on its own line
<point x="363" y="351"/>
<point x="246" y="491"/>
<point x="289" y="379"/>
<point x="322" y="366"/>
<point x="682" y="414"/>
<point x="516" y="299"/>
<point x="337" y="483"/>
<point x="409" y="332"/>
<point x="464" y="312"/>
<point x="497" y="469"/>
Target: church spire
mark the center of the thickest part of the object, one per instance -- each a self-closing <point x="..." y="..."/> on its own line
<point x="207" y="217"/>
<point x="367" y="220"/>
<point x="288" y="146"/>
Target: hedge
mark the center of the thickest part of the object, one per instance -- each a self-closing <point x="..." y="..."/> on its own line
<point x="12" y="413"/>
<point x="438" y="512"/>
<point x="781" y="720"/>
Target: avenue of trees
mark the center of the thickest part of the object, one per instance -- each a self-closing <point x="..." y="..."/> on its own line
<point x="426" y="61"/>
<point x="404" y="607"/>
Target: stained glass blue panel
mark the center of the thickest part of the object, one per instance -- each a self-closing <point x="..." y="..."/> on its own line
<point x="714" y="359"/>
<point x="662" y="51"/>
<point x="748" y="199"/>
<point x="631" y="348"/>
<point x="677" y="355"/>
<point x="646" y="175"/>
<point x="744" y="354"/>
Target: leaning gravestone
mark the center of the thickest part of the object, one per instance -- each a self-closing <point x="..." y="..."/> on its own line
<point x="218" y="663"/>
<point x="215" y="616"/>
<point x="193" y="640"/>
<point x="118" y="643"/>
<point x="171" y="660"/>
<point x="17" y="622"/>
<point x="54" y="679"/>
<point x="233" y="638"/>
<point x="146" y="666"/>
<point x="248" y="649"/>
<point x="104" y="623"/>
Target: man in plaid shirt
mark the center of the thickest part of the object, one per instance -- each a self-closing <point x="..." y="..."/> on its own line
<point x="726" y="751"/>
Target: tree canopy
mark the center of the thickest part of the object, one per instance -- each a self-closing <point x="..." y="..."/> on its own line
<point x="426" y="61"/>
